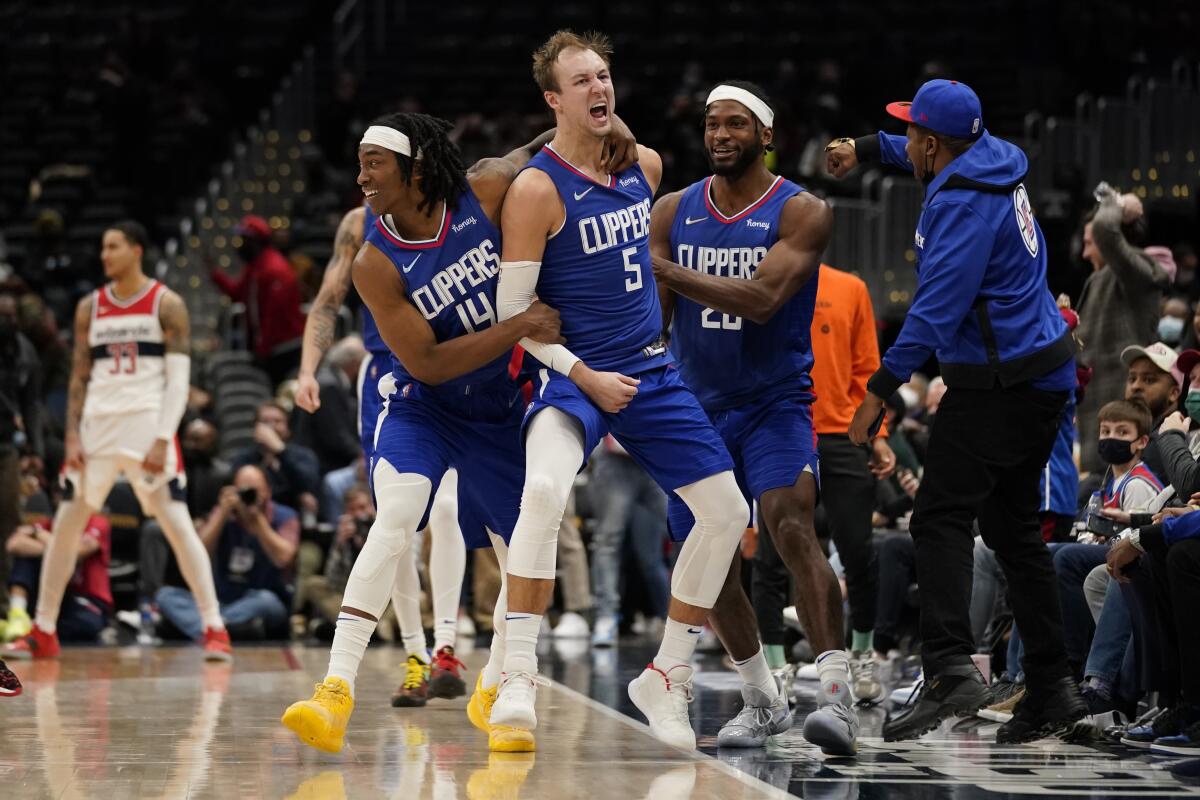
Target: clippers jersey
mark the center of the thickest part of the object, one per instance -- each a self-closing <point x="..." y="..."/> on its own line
<point x="126" y="338"/>
<point x="372" y="341"/>
<point x="728" y="360"/>
<point x="596" y="268"/>
<point x="451" y="280"/>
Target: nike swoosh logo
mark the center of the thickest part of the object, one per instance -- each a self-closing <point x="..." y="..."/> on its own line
<point x="412" y="263"/>
<point x="695" y="630"/>
<point x="509" y="617"/>
<point x="690" y="221"/>
<point x="579" y="195"/>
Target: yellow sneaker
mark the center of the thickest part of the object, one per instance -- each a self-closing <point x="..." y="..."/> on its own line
<point x="321" y="722"/>
<point x="479" y="707"/>
<point x="503" y="778"/>
<point x="328" y="785"/>
<point x="19" y="625"/>
<point x="501" y="738"/>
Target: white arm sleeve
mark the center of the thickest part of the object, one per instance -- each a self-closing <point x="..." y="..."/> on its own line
<point x="178" y="367"/>
<point x="514" y="294"/>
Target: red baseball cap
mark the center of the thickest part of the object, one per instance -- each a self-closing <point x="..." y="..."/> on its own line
<point x="1187" y="360"/>
<point x="943" y="106"/>
<point x="254" y="225"/>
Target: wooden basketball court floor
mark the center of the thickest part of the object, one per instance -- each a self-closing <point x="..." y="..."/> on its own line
<point x="117" y="723"/>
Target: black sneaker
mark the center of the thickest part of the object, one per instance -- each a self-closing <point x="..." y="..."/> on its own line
<point x="1044" y="711"/>
<point x="955" y="691"/>
<point x="10" y="685"/>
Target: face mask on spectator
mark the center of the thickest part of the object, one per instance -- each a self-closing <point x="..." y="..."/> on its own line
<point x="1192" y="404"/>
<point x="1170" y="330"/>
<point x="1116" y="451"/>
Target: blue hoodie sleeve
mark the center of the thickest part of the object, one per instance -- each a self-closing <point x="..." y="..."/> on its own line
<point x="891" y="150"/>
<point x="958" y="246"/>
<point x="1176" y="529"/>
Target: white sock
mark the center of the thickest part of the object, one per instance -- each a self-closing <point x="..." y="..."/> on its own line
<point x="18" y="603"/>
<point x="494" y="668"/>
<point x="833" y="670"/>
<point x="678" y="645"/>
<point x="756" y="672"/>
<point x="520" y="642"/>
<point x="350" y="640"/>
<point x="180" y="532"/>
<point x="406" y="602"/>
<point x="447" y="561"/>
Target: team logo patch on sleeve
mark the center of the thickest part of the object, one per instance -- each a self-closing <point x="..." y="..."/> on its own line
<point x="1025" y="222"/>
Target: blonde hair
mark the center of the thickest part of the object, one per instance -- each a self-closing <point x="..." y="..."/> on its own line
<point x="545" y="57"/>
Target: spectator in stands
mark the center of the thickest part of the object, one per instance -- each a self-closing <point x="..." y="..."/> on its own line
<point x="271" y="293"/>
<point x="1150" y="379"/>
<point x="1186" y="266"/>
<point x="206" y="472"/>
<point x="1176" y="315"/>
<point x="20" y="417"/>
<point x="322" y="594"/>
<point x="1119" y="305"/>
<point x="88" y="601"/>
<point x="618" y="487"/>
<point x="253" y="542"/>
<point x="292" y="470"/>
<point x="1172" y="555"/>
<point x="332" y="430"/>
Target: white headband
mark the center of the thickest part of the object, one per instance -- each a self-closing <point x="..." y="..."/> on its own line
<point x="390" y="138"/>
<point x="760" y="109"/>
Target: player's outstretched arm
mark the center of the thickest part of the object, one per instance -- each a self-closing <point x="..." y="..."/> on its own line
<point x="322" y="317"/>
<point x="804" y="229"/>
<point x="662" y="217"/>
<point x="81" y="373"/>
<point x="411" y="339"/>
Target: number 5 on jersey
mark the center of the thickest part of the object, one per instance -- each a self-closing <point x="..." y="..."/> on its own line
<point x="633" y="281"/>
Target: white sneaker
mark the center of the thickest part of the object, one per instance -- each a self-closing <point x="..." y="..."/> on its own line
<point x="571" y="626"/>
<point x="515" y="701"/>
<point x="864" y="679"/>
<point x="605" y="632"/>
<point x="834" y="729"/>
<point x="904" y="695"/>
<point x="664" y="698"/>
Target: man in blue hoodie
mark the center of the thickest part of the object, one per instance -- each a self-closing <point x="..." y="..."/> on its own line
<point x="983" y="308"/>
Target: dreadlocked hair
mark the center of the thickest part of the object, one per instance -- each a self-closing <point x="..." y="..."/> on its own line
<point x="443" y="176"/>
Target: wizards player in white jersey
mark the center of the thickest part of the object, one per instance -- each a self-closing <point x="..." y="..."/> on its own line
<point x="128" y="391"/>
<point x="577" y="235"/>
<point x="428" y="274"/>
<point x="737" y="253"/>
<point x="425" y="675"/>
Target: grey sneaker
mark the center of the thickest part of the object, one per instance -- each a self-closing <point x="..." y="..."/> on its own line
<point x="834" y="729"/>
<point x="759" y="718"/>
<point x="864" y="679"/>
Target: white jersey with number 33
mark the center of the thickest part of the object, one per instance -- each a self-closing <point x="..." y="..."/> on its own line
<point x="126" y="338"/>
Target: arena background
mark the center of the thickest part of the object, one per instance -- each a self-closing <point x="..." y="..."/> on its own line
<point x="188" y="115"/>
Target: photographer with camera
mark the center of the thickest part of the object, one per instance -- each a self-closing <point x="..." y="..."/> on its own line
<point x="322" y="594"/>
<point x="253" y="543"/>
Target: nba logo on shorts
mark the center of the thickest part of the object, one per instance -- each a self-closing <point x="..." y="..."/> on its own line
<point x="1025" y="219"/>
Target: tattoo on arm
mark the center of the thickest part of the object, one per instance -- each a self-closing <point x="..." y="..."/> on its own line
<point x="81" y="365"/>
<point x="321" y="327"/>
<point x="173" y="315"/>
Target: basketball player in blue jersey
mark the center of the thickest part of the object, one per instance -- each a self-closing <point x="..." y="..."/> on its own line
<point x="425" y="675"/>
<point x="577" y="235"/>
<point x="736" y="258"/>
<point x="428" y="273"/>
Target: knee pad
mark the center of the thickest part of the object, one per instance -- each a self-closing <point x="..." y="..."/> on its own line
<point x="721" y="518"/>
<point x="533" y="551"/>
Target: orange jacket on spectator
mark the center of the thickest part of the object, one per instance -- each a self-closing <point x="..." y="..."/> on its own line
<point x="271" y="293"/>
<point x="845" y="349"/>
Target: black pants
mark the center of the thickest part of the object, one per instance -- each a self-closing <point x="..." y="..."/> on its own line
<point x="10" y="510"/>
<point x="848" y="494"/>
<point x="897" y="572"/>
<point x="986" y="452"/>
<point x="1183" y="573"/>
